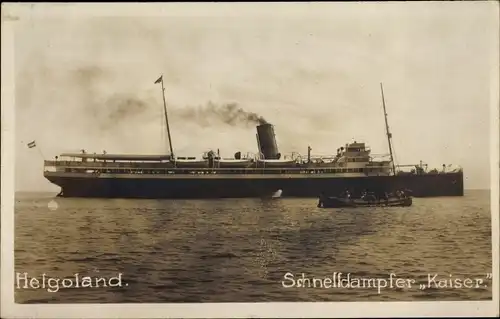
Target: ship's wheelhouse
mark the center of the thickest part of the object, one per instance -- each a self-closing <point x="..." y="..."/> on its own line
<point x="356" y="157"/>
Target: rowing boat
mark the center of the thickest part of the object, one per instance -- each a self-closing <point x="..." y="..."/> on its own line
<point x="339" y="202"/>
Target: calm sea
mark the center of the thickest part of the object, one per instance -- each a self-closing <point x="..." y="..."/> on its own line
<point x="239" y="250"/>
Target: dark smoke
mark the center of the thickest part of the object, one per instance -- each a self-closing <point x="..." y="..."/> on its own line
<point x="106" y="110"/>
<point x="86" y="76"/>
<point x="120" y="106"/>
<point x="230" y="114"/>
<point x="122" y="109"/>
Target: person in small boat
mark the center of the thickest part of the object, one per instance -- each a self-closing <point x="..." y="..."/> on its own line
<point x="368" y="196"/>
<point x="381" y="195"/>
<point x="386" y="198"/>
<point x="347" y="195"/>
<point x="321" y="197"/>
<point x="401" y="194"/>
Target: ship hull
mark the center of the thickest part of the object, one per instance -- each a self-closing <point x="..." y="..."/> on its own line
<point x="158" y="186"/>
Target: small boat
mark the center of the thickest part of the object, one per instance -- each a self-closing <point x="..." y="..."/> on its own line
<point x="340" y="202"/>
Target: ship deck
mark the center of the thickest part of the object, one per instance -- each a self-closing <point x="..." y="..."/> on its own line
<point x="93" y="168"/>
<point x="148" y="170"/>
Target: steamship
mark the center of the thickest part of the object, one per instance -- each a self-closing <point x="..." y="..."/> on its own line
<point x="264" y="174"/>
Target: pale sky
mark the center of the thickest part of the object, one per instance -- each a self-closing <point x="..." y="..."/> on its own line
<point x="88" y="83"/>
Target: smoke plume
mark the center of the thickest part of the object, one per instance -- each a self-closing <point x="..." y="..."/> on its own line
<point x="120" y="107"/>
<point x="230" y="114"/>
<point x="105" y="109"/>
<point x="108" y="110"/>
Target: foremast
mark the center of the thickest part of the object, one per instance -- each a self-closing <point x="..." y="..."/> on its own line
<point x="389" y="135"/>
<point x="160" y="80"/>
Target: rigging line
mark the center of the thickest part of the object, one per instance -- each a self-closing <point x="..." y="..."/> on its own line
<point x="395" y="155"/>
<point x="41" y="154"/>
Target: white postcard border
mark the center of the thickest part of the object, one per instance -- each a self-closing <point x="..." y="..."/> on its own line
<point x="9" y="309"/>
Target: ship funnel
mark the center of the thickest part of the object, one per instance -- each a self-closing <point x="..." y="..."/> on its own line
<point x="267" y="141"/>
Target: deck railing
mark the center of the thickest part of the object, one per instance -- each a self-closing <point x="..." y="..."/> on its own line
<point x="168" y="168"/>
<point x="98" y="167"/>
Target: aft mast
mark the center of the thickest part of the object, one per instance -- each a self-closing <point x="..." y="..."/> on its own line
<point x="160" y="79"/>
<point x="389" y="135"/>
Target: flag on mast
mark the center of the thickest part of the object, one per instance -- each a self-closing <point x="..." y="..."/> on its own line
<point x="160" y="79"/>
<point x="31" y="144"/>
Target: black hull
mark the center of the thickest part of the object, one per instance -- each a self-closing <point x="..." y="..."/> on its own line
<point x="156" y="187"/>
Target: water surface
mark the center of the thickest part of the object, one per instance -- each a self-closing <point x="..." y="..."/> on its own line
<point x="239" y="250"/>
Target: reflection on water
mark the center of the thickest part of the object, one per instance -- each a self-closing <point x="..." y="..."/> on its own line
<point x="240" y="249"/>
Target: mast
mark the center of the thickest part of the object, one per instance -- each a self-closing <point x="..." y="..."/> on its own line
<point x="389" y="135"/>
<point x="166" y="115"/>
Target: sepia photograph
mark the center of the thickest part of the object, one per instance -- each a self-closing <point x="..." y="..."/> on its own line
<point x="250" y="160"/>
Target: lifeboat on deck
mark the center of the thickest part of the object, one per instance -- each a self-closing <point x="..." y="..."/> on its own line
<point x="233" y="163"/>
<point x="190" y="162"/>
<point x="275" y="163"/>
